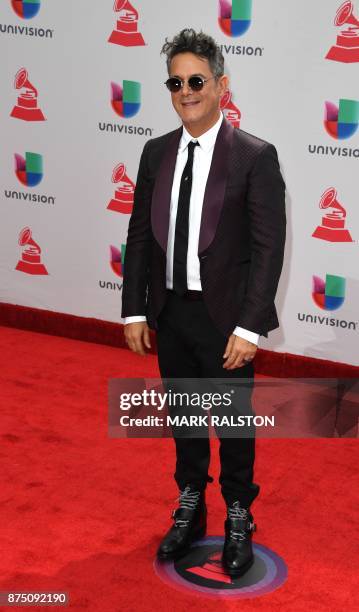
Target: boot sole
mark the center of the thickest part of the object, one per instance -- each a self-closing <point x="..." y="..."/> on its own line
<point x="241" y="570"/>
<point x="172" y="556"/>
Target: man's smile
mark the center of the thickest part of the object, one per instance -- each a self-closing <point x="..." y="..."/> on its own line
<point x="190" y="103"/>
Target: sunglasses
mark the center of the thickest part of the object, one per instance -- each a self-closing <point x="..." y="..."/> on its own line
<point x="196" y="83"/>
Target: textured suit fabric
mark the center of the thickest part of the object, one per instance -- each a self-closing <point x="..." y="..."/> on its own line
<point x="242" y="260"/>
<point x="190" y="347"/>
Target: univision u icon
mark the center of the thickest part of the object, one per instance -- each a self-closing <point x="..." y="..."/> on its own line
<point x="235" y="16"/>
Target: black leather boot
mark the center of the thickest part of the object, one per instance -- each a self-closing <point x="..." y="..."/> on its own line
<point x="237" y="550"/>
<point x="190" y="523"/>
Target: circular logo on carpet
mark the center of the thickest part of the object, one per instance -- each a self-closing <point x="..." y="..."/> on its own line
<point x="200" y="570"/>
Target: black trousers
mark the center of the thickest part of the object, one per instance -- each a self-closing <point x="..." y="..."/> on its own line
<point x="190" y="346"/>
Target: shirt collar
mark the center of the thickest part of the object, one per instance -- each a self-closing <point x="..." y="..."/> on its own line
<point x="206" y="140"/>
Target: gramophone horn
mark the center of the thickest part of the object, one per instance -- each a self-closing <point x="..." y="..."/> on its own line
<point x="25" y="236"/>
<point x="22" y="80"/>
<point x="118" y="173"/>
<point x="345" y="15"/>
<point x="328" y="198"/>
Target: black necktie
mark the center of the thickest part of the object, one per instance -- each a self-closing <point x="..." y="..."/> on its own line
<point x="181" y="231"/>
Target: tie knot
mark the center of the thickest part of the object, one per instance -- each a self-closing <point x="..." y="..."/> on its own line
<point x="191" y="146"/>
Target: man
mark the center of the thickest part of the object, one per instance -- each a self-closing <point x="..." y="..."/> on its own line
<point x="203" y="259"/>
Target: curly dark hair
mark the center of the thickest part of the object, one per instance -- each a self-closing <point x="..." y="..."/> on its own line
<point x="199" y="43"/>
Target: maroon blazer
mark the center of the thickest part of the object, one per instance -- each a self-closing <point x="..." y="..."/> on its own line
<point x="242" y="234"/>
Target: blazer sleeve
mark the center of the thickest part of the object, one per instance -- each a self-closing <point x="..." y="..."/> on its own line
<point x="267" y="222"/>
<point x="138" y="245"/>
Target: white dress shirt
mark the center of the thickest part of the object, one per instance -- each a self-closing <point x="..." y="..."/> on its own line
<point x="201" y="166"/>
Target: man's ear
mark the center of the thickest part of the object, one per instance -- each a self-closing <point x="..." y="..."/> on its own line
<point x="223" y="83"/>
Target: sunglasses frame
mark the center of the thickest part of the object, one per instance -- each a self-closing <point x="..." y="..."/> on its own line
<point x="194" y="76"/>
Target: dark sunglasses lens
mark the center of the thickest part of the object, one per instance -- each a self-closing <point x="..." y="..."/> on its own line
<point x="196" y="83"/>
<point x="173" y="84"/>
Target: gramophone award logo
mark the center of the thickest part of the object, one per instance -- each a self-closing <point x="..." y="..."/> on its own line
<point x="26" y="9"/>
<point x="126" y="100"/>
<point x="346" y="48"/>
<point x="29" y="169"/>
<point x="332" y="227"/>
<point x="126" y="32"/>
<point x="341" y="122"/>
<point x="117" y="259"/>
<point x="122" y="200"/>
<point x="200" y="571"/>
<point x="27" y="105"/>
<point x="30" y="261"/>
<point x="234" y="16"/>
<point x="230" y="110"/>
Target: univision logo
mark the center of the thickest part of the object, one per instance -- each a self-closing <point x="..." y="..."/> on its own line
<point x="329" y="295"/>
<point x="235" y="16"/>
<point x="234" y="19"/>
<point x="126" y="100"/>
<point x="117" y="258"/>
<point x="340" y="122"/>
<point x="26" y="9"/>
<point x="29" y="170"/>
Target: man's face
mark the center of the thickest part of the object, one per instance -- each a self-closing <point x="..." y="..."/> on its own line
<point x="196" y="108"/>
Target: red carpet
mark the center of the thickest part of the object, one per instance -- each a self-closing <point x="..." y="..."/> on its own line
<point x="83" y="513"/>
<point x="270" y="363"/>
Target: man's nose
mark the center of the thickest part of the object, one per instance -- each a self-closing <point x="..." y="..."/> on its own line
<point x="186" y="90"/>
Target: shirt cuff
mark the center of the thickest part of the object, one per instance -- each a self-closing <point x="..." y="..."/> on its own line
<point x="246" y="335"/>
<point x="137" y="319"/>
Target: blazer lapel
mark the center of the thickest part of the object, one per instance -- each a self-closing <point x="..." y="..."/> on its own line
<point x="216" y="184"/>
<point x="161" y="196"/>
<point x="214" y="193"/>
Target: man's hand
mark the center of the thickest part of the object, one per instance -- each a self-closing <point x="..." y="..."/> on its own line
<point x="137" y="336"/>
<point x="238" y="352"/>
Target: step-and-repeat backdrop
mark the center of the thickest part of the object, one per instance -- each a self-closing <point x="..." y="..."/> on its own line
<point x="81" y="92"/>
